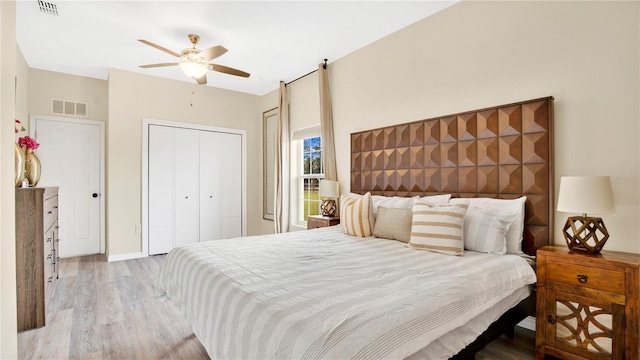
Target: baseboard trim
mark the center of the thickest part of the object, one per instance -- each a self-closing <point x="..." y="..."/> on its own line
<point x="129" y="256"/>
<point x="528" y="323"/>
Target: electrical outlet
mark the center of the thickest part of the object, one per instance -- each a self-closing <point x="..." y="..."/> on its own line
<point x="138" y="229"/>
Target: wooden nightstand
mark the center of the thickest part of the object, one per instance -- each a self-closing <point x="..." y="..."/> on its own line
<point x="318" y="221"/>
<point x="587" y="305"/>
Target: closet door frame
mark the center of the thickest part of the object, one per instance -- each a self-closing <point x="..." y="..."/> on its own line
<point x="146" y="123"/>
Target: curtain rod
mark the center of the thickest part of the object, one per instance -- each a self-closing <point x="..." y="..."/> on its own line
<point x="324" y="66"/>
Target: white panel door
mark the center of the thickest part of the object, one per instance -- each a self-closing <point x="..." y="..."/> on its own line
<point x="187" y="164"/>
<point x="210" y="186"/>
<point x="161" y="189"/>
<point x="70" y="157"/>
<point x="231" y="180"/>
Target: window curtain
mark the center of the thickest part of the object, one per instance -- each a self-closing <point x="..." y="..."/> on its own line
<point x="281" y="211"/>
<point x="326" y="125"/>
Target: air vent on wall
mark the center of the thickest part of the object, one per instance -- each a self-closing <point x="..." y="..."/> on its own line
<point x="67" y="107"/>
<point x="48" y="7"/>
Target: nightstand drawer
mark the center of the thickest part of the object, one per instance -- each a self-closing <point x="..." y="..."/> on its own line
<point x="314" y="221"/>
<point x="593" y="278"/>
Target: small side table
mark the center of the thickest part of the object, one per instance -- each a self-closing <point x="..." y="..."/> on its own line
<point x="318" y="221"/>
<point x="585" y="299"/>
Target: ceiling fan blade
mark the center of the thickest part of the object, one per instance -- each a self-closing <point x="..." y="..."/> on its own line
<point x="202" y="80"/>
<point x="228" y="70"/>
<point x="157" y="65"/>
<point x="212" y="52"/>
<point x="159" y="47"/>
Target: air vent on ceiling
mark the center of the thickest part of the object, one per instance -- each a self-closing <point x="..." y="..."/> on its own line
<point x="48" y="7"/>
<point x="67" y="107"/>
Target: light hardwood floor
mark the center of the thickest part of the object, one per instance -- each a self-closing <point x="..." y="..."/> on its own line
<point x="102" y="310"/>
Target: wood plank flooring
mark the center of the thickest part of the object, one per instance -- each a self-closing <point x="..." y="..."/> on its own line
<point x="103" y="310"/>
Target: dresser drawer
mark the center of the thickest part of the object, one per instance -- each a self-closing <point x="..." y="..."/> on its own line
<point x="50" y="209"/>
<point x="49" y="243"/>
<point x="49" y="282"/>
<point x="585" y="276"/>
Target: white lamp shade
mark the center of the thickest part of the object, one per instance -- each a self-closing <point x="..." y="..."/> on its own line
<point x="329" y="189"/>
<point x="585" y="195"/>
<point x="193" y="69"/>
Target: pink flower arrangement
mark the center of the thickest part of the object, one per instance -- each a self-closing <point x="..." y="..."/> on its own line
<point x="28" y="142"/>
<point x="19" y="126"/>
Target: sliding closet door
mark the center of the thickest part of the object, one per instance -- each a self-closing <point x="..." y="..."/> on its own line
<point x="187" y="169"/>
<point x="210" y="185"/>
<point x="231" y="179"/>
<point x="161" y="192"/>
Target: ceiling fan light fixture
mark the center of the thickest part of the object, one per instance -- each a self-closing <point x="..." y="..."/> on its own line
<point x="193" y="69"/>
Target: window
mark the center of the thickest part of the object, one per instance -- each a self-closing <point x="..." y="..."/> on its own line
<point x="311" y="172"/>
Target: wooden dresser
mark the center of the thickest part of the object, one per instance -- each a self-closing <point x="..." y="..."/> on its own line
<point x="36" y="253"/>
<point x="587" y="305"/>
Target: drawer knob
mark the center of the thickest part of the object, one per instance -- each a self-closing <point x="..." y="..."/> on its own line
<point x="583" y="278"/>
<point x="49" y="212"/>
<point x="550" y="319"/>
<point x="48" y="239"/>
<point x="50" y="279"/>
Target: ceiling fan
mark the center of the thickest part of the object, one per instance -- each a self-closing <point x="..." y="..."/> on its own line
<point x="194" y="61"/>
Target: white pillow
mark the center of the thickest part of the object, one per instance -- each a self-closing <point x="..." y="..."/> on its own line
<point x="516" y="228"/>
<point x="437" y="199"/>
<point x="485" y="230"/>
<point x="390" y="202"/>
<point x="438" y="227"/>
<point x="397" y="202"/>
<point x="356" y="217"/>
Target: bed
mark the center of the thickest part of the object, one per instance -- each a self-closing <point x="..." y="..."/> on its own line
<point x="325" y="294"/>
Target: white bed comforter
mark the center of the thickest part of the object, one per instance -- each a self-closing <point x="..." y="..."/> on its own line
<point x="323" y="294"/>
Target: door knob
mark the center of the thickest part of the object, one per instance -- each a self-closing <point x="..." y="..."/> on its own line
<point x="95" y="195"/>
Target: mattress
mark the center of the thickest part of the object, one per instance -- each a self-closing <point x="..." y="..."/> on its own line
<point x="322" y="294"/>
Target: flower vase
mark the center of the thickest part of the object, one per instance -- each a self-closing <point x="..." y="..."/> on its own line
<point x="20" y="162"/>
<point x="32" y="167"/>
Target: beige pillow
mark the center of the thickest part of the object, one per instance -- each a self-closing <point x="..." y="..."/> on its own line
<point x="438" y="228"/>
<point x="393" y="223"/>
<point x="356" y="214"/>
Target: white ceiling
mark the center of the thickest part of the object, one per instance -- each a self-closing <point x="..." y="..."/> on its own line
<point x="272" y="40"/>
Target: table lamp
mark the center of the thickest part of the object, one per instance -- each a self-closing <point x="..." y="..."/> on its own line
<point x="328" y="191"/>
<point x="585" y="195"/>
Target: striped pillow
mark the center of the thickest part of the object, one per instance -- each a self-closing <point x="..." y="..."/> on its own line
<point x="356" y="214"/>
<point x="438" y="228"/>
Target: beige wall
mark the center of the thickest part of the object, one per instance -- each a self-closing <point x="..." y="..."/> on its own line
<point x="22" y="92"/>
<point x="46" y="85"/>
<point x="134" y="96"/>
<point x="479" y="54"/>
<point x="8" y="56"/>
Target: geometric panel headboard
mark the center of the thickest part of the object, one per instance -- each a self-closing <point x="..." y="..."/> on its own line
<point x="503" y="152"/>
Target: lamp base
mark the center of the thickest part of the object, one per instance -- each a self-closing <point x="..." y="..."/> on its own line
<point x="585" y="234"/>
<point x="329" y="207"/>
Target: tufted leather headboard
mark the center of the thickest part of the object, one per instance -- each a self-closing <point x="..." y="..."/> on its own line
<point x="503" y="151"/>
